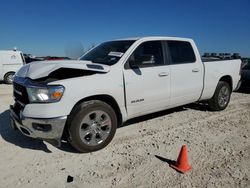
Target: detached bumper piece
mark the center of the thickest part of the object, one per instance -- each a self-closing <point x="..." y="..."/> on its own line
<point x="42" y="128"/>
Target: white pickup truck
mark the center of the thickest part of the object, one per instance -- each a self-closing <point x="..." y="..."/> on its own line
<point x="87" y="99"/>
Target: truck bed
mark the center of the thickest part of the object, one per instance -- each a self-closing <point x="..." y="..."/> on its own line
<point x="216" y="70"/>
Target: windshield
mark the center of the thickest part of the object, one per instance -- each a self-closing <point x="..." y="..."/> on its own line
<point x="108" y="53"/>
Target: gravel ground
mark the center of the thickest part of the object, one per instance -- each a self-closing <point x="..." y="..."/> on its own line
<point x="138" y="156"/>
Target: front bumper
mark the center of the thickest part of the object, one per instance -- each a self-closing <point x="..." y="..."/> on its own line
<point x="43" y="128"/>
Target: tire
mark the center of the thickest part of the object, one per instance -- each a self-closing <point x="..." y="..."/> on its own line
<point x="92" y="126"/>
<point x="221" y="97"/>
<point x="8" y="77"/>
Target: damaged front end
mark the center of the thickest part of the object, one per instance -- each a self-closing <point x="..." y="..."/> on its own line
<point x="64" y="73"/>
<point x="58" y="70"/>
<point x="33" y="84"/>
<point x="41" y="128"/>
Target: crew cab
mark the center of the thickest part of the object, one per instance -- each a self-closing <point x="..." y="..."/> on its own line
<point x="87" y="99"/>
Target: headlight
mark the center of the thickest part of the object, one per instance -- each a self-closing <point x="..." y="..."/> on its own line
<point x="46" y="94"/>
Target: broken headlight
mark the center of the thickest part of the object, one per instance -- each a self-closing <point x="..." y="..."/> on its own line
<point x="45" y="94"/>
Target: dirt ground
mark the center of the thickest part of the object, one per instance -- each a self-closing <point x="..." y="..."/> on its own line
<point x="138" y="156"/>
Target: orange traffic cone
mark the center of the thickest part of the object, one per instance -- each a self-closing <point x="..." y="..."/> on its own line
<point x="181" y="164"/>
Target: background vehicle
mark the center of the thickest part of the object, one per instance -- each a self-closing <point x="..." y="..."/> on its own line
<point x="53" y="58"/>
<point x="10" y="62"/>
<point x="220" y="56"/>
<point x="29" y="58"/>
<point x="87" y="99"/>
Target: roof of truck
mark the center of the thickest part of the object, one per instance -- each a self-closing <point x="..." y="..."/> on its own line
<point x="155" y="38"/>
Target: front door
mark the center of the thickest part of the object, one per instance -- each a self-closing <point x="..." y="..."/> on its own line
<point x="147" y="80"/>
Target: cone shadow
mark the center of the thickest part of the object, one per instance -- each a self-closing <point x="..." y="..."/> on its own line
<point x="169" y="161"/>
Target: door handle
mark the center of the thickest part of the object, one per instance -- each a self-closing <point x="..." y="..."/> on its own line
<point x="195" y="70"/>
<point x="163" y="74"/>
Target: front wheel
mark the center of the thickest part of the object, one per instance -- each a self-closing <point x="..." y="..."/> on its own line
<point x="221" y="97"/>
<point x="92" y="125"/>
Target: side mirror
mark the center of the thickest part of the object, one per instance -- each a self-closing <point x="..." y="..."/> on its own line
<point x="142" y="60"/>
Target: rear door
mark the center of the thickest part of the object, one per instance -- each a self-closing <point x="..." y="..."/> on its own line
<point x="186" y="73"/>
<point x="147" y="79"/>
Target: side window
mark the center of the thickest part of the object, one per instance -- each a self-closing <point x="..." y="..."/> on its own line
<point x="181" y="52"/>
<point x="148" y="54"/>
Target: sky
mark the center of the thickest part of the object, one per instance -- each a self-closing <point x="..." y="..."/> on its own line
<point x="52" y="27"/>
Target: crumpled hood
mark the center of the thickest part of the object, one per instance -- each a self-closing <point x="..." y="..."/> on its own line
<point x="41" y="69"/>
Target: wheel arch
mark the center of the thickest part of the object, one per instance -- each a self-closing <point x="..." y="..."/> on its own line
<point x="104" y="98"/>
<point x="228" y="79"/>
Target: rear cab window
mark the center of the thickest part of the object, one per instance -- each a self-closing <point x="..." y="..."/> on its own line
<point x="181" y="52"/>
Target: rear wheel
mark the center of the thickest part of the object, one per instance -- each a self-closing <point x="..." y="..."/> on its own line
<point x="92" y="126"/>
<point x="8" y="78"/>
<point x="221" y="97"/>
